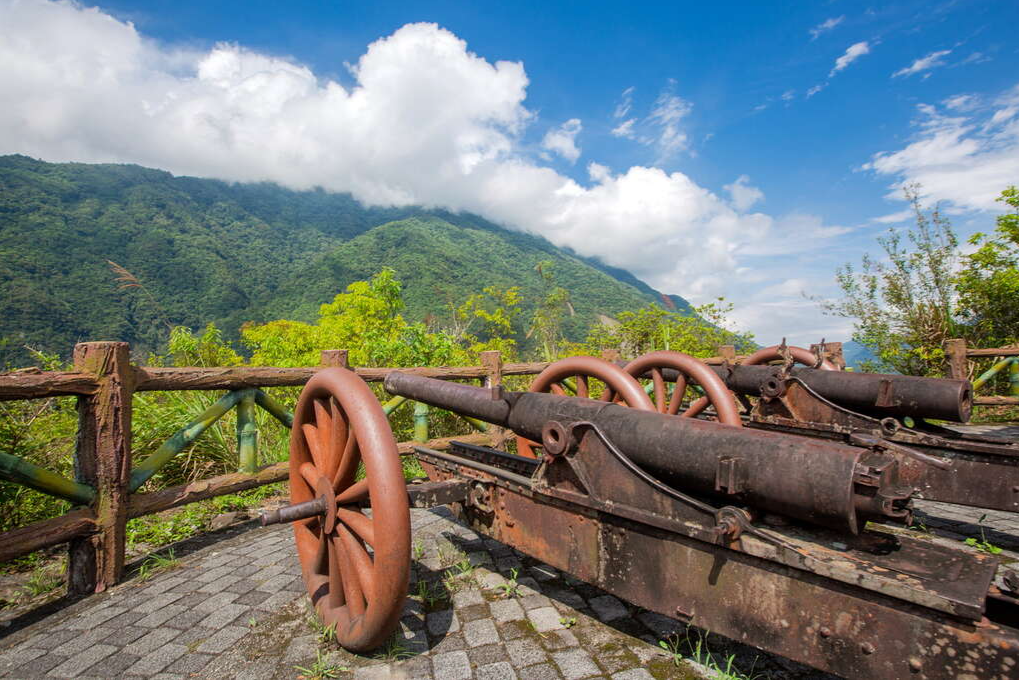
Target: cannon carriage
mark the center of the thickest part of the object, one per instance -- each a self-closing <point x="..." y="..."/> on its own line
<point x="768" y="527"/>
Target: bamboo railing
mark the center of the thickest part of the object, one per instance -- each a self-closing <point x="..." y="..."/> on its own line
<point x="959" y="364"/>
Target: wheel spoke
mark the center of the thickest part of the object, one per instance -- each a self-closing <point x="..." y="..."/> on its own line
<point x="337" y="597"/>
<point x="583" y="389"/>
<point x="696" y="407"/>
<point x="310" y="474"/>
<point x="659" y="382"/>
<point x="338" y="437"/>
<point x="352" y="592"/>
<point x="347" y="468"/>
<point x="359" y="524"/>
<point x="355" y="493"/>
<point x="556" y="388"/>
<point x="360" y="561"/>
<point x="311" y="436"/>
<point x="677" y="395"/>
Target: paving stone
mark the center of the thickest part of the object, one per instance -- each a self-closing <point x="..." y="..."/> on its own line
<point x="490" y="580"/>
<point x="541" y="671"/>
<point x="81" y="642"/>
<point x="442" y="622"/>
<point x="608" y="608"/>
<point x="215" y="601"/>
<point x="48" y="640"/>
<point x="222" y="639"/>
<point x="188" y="618"/>
<point x="449" y="643"/>
<point x="152" y="640"/>
<point x="452" y="666"/>
<point x="301" y="649"/>
<point x="633" y="674"/>
<point x="575" y="664"/>
<point x="496" y="671"/>
<point x="114" y="665"/>
<point x="20" y="655"/>
<point x="473" y="612"/>
<point x="560" y="639"/>
<point x="525" y="652"/>
<point x="486" y="654"/>
<point x="467" y="597"/>
<point x="480" y="632"/>
<point x="253" y="597"/>
<point x="160" y="616"/>
<point x="157" y="659"/>
<point x="545" y="619"/>
<point x="38" y="667"/>
<point x="95" y="617"/>
<point x="149" y="605"/>
<point x="223" y="616"/>
<point x="506" y="610"/>
<point x="535" y="601"/>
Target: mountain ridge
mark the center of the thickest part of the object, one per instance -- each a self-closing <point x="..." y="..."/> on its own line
<point x="199" y="250"/>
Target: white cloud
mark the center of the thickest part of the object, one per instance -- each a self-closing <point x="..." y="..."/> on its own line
<point x="425" y="121"/>
<point x="668" y="112"/>
<point x="625" y="103"/>
<point x="961" y="102"/>
<point x="931" y="61"/>
<point x="743" y="195"/>
<point x="853" y="52"/>
<point x="788" y="95"/>
<point x="815" y="89"/>
<point x="625" y="129"/>
<point x="825" y="26"/>
<point x="894" y="218"/>
<point x="562" y="140"/>
<point x="965" y="159"/>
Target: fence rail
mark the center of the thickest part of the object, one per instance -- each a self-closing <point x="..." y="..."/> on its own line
<point x="959" y="366"/>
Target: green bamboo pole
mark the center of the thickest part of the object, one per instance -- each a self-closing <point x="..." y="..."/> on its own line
<point x="420" y="422"/>
<point x="479" y="425"/>
<point x="1013" y="378"/>
<point x="247" y="433"/>
<point x="182" y="439"/>
<point x="991" y="372"/>
<point x="393" y="404"/>
<point x="273" y="408"/>
<point x="20" y="471"/>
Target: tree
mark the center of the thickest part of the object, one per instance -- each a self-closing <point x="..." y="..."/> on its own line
<point x="988" y="283"/>
<point x="903" y="307"/>
<point x="547" y="322"/>
<point x="652" y="328"/>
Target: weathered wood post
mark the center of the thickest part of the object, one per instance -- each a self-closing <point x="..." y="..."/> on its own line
<point x="334" y="357"/>
<point x="491" y="361"/>
<point x="958" y="367"/>
<point x="103" y="460"/>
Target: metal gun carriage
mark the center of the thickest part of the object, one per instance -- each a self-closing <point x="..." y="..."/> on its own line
<point x="771" y="532"/>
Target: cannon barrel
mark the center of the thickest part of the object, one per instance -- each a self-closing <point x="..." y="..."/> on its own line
<point x="810" y="479"/>
<point x="877" y="394"/>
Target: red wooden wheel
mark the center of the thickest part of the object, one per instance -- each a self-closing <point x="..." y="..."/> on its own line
<point x="582" y="369"/>
<point x="690" y="369"/>
<point x="356" y="568"/>
<point x="798" y="354"/>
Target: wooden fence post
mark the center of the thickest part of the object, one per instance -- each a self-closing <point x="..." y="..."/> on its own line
<point x="958" y="367"/>
<point x="491" y="361"/>
<point x="727" y="352"/>
<point x="103" y="459"/>
<point x="334" y="357"/>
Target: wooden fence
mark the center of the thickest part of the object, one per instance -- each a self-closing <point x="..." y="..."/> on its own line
<point x="959" y="367"/>
<point x="103" y="491"/>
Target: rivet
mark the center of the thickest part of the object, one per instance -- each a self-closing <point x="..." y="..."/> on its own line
<point x="825" y="631"/>
<point x="867" y="648"/>
<point x="1015" y="489"/>
<point x="915" y="665"/>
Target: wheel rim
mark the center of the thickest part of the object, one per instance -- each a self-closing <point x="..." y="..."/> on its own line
<point x="338" y="424"/>
<point x="582" y="369"/>
<point x="798" y="354"/>
<point x="690" y="369"/>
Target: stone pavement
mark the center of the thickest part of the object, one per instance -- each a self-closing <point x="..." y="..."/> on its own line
<point x="235" y="607"/>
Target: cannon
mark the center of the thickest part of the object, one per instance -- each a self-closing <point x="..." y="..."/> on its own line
<point x="777" y="539"/>
<point x="891" y="412"/>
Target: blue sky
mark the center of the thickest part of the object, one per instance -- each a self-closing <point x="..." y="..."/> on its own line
<point x="743" y="150"/>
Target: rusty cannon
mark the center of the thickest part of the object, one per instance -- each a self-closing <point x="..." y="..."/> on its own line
<point x="893" y="413"/>
<point x="773" y="538"/>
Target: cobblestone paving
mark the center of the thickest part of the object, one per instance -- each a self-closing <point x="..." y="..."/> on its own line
<point x="237" y="608"/>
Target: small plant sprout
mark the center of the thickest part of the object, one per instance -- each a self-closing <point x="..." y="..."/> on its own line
<point x="157" y="563"/>
<point x="671" y="646"/>
<point x="568" y="621"/>
<point x="511" y="588"/>
<point x="321" y="669"/>
<point x="983" y="545"/>
<point x="419" y="549"/>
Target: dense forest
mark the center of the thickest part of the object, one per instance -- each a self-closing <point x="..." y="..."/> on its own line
<point x="122" y="252"/>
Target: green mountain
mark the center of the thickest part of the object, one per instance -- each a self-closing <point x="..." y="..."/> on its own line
<point x="197" y="250"/>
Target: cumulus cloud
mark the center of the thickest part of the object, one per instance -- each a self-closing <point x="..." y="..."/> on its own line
<point x="965" y="157"/>
<point x="743" y="194"/>
<point x="853" y="52"/>
<point x="425" y="121"/>
<point x="825" y="26"/>
<point x="563" y="140"/>
<point x="931" y="61"/>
